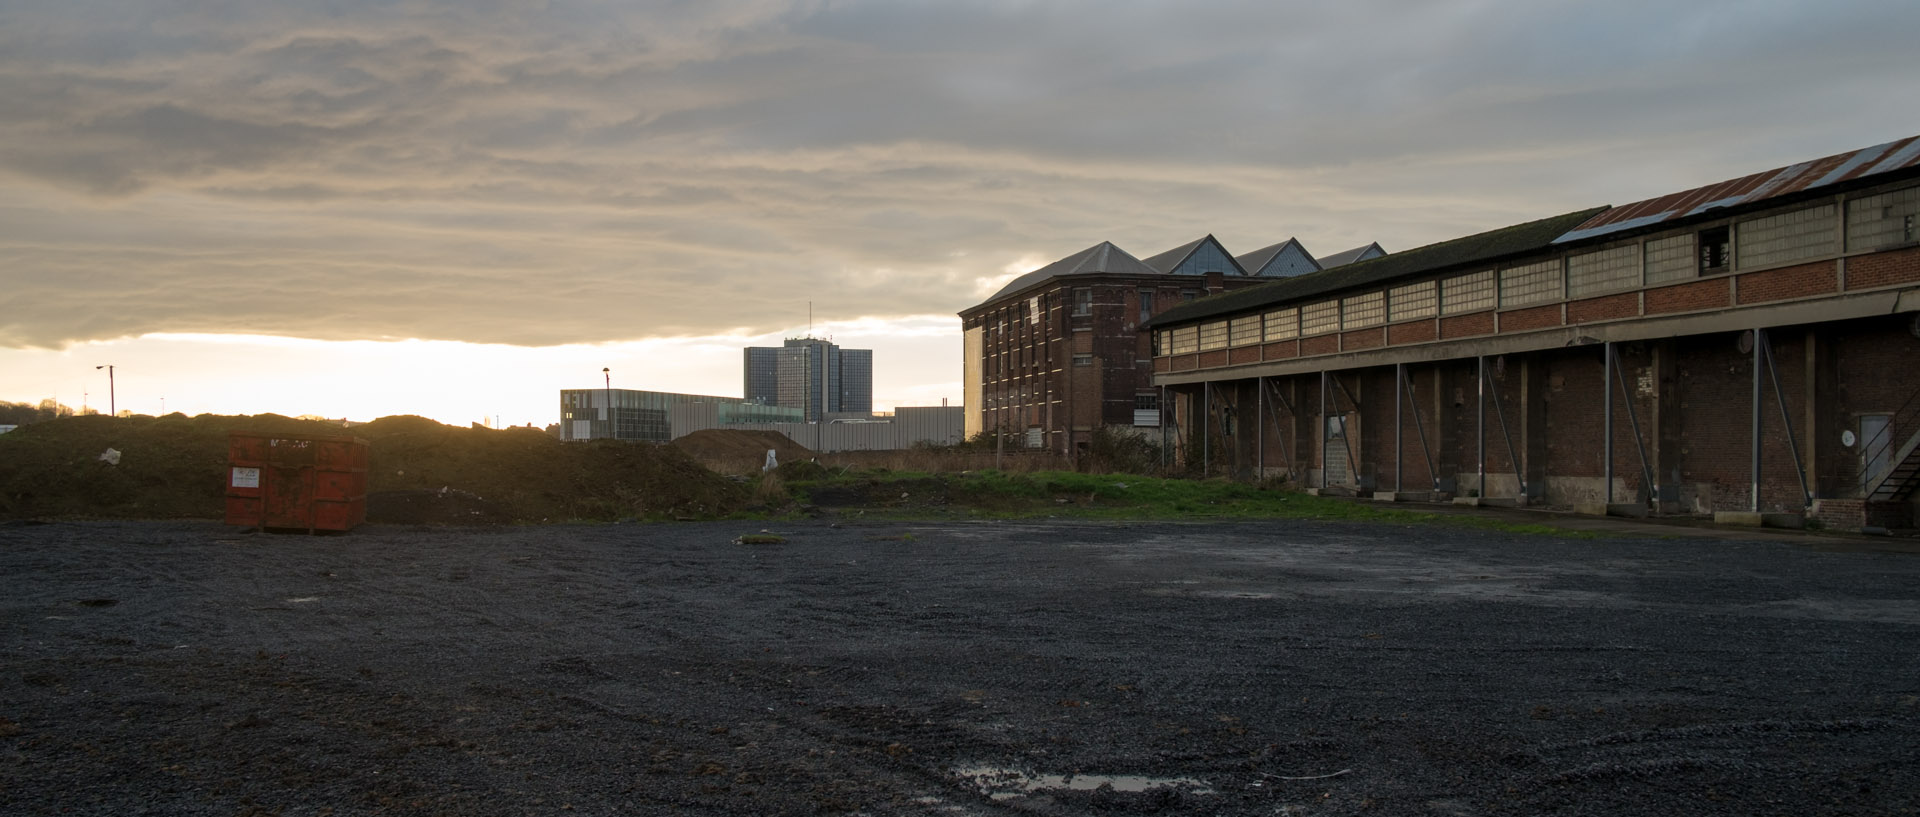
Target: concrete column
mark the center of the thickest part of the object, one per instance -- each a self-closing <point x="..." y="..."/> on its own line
<point x="1663" y="426"/>
<point x="1533" y="424"/>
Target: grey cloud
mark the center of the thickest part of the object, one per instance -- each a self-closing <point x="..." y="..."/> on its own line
<point x="540" y="172"/>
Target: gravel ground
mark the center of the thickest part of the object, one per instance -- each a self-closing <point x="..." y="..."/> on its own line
<point x="978" y="668"/>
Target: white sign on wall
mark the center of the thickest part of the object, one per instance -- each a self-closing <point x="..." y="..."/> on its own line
<point x="246" y="478"/>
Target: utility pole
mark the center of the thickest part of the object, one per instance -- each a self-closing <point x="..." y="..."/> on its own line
<point x="607" y="373"/>
<point x="113" y="410"/>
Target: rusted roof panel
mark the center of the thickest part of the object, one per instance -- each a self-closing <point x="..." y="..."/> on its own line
<point x="1899" y="154"/>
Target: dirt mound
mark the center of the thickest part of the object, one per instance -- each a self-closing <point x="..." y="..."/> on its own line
<point x="727" y="443"/>
<point x="419" y="471"/>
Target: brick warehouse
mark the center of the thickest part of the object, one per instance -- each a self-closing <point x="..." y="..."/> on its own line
<point x="1058" y="352"/>
<point x="1743" y="347"/>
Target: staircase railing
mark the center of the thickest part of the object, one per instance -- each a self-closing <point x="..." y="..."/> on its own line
<point x="1898" y="466"/>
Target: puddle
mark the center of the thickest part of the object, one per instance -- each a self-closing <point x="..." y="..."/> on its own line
<point x="1001" y="783"/>
<point x="303" y="600"/>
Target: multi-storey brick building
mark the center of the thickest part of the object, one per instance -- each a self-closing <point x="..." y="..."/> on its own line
<point x="1747" y="346"/>
<point x="1058" y="352"/>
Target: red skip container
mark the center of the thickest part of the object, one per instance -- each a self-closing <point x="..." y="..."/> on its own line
<point x="296" y="482"/>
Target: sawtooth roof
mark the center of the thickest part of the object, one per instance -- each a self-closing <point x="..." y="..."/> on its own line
<point x="1257" y="260"/>
<point x="1487" y="247"/>
<point x="1345" y="257"/>
<point x="1102" y="257"/>
<point x="1170" y="260"/>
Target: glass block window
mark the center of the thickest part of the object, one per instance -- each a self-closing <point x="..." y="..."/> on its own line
<point x="1186" y="340"/>
<point x="1467" y="293"/>
<point x="1320" y="318"/>
<point x="1785" y="237"/>
<point x="1033" y="310"/>
<point x="1884" y="220"/>
<point x="1362" y="311"/>
<point x="1532" y="284"/>
<point x="1213" y="335"/>
<point x="1163" y="342"/>
<point x="1243" y="331"/>
<point x="1283" y="324"/>
<point x="1670" y="259"/>
<point x="1604" y="271"/>
<point x="1421" y="300"/>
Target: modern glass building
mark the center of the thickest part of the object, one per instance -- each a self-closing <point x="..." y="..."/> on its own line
<point x="645" y="416"/>
<point x="811" y="375"/>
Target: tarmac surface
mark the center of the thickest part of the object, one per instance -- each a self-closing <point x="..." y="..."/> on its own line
<point x="953" y="669"/>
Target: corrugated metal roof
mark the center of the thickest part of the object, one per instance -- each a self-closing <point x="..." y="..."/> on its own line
<point x="1483" y="248"/>
<point x="1101" y="257"/>
<point x="1256" y="261"/>
<point x="1899" y="154"/>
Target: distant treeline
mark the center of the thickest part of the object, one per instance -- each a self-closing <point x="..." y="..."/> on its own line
<point x="20" y="414"/>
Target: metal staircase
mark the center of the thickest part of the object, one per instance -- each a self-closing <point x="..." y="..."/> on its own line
<point x="1886" y="473"/>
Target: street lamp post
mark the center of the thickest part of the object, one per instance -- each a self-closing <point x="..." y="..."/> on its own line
<point x="607" y="373"/>
<point x="112" y="409"/>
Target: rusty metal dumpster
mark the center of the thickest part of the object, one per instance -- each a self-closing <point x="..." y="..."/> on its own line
<point x="296" y="482"/>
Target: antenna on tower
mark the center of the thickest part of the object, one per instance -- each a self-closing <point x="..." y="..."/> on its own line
<point x="809" y="319"/>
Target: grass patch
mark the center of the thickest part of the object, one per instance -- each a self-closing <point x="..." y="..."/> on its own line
<point x="881" y="493"/>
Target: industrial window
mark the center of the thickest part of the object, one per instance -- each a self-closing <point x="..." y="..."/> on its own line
<point x="1083" y="360"/>
<point x="1320" y="318"/>
<point x="1188" y="295"/>
<point x="1243" y="331"/>
<point x="1421" y="300"/>
<point x="1283" y="324"/>
<point x="1783" y="238"/>
<point x="1883" y="220"/>
<point x="1146" y="304"/>
<point x="1186" y="340"/>
<point x="1033" y="310"/>
<point x="1670" y="259"/>
<point x="1604" y="271"/>
<point x="1713" y="250"/>
<point x="1362" y="311"/>
<point x="1213" y="335"/>
<point x="1467" y="293"/>
<point x="1082" y="301"/>
<point x="1532" y="284"/>
<point x="1163" y="342"/>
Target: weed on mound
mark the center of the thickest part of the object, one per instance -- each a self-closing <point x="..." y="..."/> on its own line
<point x="420" y="471"/>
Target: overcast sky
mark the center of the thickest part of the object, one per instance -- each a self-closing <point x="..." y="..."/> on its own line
<point x="594" y="179"/>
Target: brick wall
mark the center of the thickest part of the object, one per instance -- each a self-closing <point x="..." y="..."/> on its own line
<point x="1282" y="350"/>
<point x="1363" y="339"/>
<point x="1414" y="332"/>
<point x="1243" y="354"/>
<point x="1320" y="345"/>
<point x="1713" y="417"/>
<point x="1539" y="317"/>
<point x="1789" y="282"/>
<point x="1689" y="296"/>
<point x="1215" y="358"/>
<point x="1461" y="326"/>
<point x="1610" y="307"/>
<point x="1883" y="268"/>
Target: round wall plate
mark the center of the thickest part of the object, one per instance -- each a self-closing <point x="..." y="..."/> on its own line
<point x="1847" y="439"/>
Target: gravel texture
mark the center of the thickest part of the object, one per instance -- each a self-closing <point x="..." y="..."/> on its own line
<point x="978" y="668"/>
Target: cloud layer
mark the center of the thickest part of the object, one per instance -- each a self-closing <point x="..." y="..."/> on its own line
<point x="541" y="173"/>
